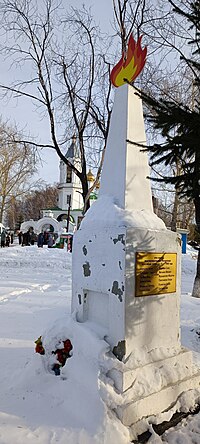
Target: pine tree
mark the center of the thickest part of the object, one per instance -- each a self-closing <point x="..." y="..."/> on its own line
<point x="179" y="124"/>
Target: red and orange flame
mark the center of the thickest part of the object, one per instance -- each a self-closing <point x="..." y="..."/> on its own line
<point x="131" y="63"/>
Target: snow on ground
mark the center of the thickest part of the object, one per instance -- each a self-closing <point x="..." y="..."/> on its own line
<point x="190" y="307"/>
<point x="37" y="407"/>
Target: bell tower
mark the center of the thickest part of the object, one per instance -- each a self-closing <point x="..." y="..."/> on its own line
<point x="69" y="184"/>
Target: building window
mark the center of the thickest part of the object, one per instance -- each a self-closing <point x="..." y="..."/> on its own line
<point x="69" y="175"/>
<point x="68" y="199"/>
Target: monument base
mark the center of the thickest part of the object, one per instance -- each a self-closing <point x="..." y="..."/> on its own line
<point x="131" y="291"/>
<point x="157" y="404"/>
<point x="154" y="388"/>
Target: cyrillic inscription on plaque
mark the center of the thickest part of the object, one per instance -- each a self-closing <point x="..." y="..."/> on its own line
<point x="155" y="273"/>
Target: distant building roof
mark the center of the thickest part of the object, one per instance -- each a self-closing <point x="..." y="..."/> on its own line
<point x="52" y="209"/>
<point x="72" y="150"/>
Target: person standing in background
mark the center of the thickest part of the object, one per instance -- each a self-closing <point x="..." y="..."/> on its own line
<point x="40" y="241"/>
<point x="7" y="240"/>
<point x="3" y="238"/>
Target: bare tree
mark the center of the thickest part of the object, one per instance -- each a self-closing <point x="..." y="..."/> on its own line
<point x="63" y="65"/>
<point x="67" y="72"/>
<point x="18" y="164"/>
<point x="129" y="16"/>
<point x="87" y="92"/>
<point x="29" y="206"/>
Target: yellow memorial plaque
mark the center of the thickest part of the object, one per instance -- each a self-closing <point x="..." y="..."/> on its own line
<point x="155" y="273"/>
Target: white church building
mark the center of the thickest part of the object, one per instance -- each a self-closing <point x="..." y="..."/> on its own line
<point x="69" y="201"/>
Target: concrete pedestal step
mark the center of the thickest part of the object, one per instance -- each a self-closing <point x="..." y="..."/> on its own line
<point x="156" y="403"/>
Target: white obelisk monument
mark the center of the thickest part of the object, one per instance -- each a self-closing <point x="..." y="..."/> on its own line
<point x="126" y="275"/>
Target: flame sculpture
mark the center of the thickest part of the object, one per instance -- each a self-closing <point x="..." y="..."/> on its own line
<point x="131" y="63"/>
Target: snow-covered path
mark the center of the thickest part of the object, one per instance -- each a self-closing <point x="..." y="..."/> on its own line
<point x="35" y="406"/>
<point x="31" y="296"/>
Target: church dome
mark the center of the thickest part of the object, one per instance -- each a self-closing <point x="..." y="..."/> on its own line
<point x="90" y="176"/>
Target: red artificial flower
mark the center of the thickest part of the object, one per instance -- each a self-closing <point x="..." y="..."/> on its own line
<point x="39" y="349"/>
<point x="67" y="345"/>
<point x="61" y="357"/>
